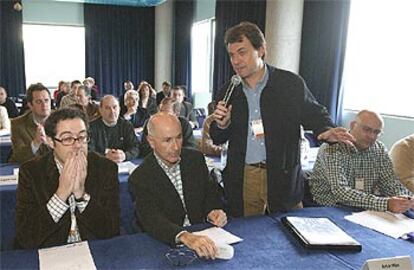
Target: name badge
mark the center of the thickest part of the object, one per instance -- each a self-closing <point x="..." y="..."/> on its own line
<point x="359" y="183"/>
<point x="257" y="128"/>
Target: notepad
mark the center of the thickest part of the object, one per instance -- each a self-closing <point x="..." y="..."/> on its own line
<point x="320" y="233"/>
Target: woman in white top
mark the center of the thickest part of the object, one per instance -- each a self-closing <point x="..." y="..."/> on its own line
<point x="4" y="122"/>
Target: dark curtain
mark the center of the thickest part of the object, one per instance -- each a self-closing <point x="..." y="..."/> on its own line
<point x="183" y="22"/>
<point x="119" y="45"/>
<point x="228" y="14"/>
<point x="324" y="33"/>
<point x="12" y="72"/>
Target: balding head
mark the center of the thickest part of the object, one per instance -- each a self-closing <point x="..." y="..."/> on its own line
<point x="165" y="137"/>
<point x="366" y="127"/>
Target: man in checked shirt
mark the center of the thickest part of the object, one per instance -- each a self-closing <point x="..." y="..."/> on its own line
<point x="360" y="176"/>
<point x="67" y="195"/>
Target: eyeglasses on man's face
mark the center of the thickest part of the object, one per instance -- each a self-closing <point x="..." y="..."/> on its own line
<point x="70" y="140"/>
<point x="369" y="130"/>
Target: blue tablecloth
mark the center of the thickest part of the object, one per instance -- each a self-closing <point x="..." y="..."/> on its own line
<point x="5" y="148"/>
<point x="266" y="245"/>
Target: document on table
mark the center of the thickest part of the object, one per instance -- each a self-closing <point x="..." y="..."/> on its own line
<point x="126" y="167"/>
<point x="394" y="225"/>
<point x="219" y="235"/>
<point x="69" y="257"/>
<point x="320" y="233"/>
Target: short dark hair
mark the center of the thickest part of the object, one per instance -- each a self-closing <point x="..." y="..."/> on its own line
<point x="166" y="83"/>
<point x="245" y="29"/>
<point x="74" y="82"/>
<point x="180" y="87"/>
<point x="35" y="87"/>
<point x="63" y="114"/>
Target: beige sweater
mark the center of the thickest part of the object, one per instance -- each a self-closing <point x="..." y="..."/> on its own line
<point x="402" y="156"/>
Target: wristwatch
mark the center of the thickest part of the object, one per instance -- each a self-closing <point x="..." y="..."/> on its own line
<point x="85" y="197"/>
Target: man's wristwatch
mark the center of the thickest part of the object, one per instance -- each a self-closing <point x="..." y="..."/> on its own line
<point x="85" y="197"/>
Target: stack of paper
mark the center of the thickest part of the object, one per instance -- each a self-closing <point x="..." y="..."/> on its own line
<point x="320" y="233"/>
<point x="394" y="225"/>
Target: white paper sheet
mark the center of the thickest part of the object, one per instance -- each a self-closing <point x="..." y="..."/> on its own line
<point x="126" y="167"/>
<point x="219" y="236"/>
<point x="394" y="225"/>
<point x="69" y="257"/>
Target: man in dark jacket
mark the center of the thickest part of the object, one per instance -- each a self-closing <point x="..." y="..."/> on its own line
<point x="262" y="124"/>
<point x="172" y="189"/>
<point x="67" y="195"/>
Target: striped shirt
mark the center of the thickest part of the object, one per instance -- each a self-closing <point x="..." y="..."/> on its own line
<point x="174" y="174"/>
<point x="343" y="175"/>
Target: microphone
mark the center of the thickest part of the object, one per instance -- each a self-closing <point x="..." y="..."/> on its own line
<point x="235" y="81"/>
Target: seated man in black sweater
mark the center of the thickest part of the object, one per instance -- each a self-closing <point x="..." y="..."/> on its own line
<point x="111" y="135"/>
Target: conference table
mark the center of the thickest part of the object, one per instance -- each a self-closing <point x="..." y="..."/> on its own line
<point x="266" y="244"/>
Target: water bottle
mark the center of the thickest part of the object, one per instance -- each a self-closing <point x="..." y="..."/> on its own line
<point x="223" y="157"/>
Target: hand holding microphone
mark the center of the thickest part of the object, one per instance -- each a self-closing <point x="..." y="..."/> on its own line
<point x="222" y="112"/>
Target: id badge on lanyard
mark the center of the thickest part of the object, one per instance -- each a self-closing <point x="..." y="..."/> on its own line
<point x="257" y="128"/>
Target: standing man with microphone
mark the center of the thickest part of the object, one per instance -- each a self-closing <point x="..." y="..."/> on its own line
<point x="261" y="119"/>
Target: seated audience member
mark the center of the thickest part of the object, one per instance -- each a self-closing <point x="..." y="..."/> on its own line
<point x="165" y="92"/>
<point x="360" y="176"/>
<point x="128" y="85"/>
<point x="70" y="98"/>
<point x="111" y="135"/>
<point x="63" y="87"/>
<point x="171" y="106"/>
<point x="65" y="91"/>
<point x="68" y="195"/>
<point x="147" y="105"/>
<point x="89" y="83"/>
<point x="178" y="93"/>
<point x="129" y="111"/>
<point x="27" y="131"/>
<point x="402" y="156"/>
<point x="88" y="106"/>
<point x="9" y="104"/>
<point x="4" y="122"/>
<point x="168" y="195"/>
<point x="206" y="144"/>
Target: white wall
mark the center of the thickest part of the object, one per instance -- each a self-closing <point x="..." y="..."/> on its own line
<point x="163" y="43"/>
<point x="284" y="33"/>
<point x="395" y="127"/>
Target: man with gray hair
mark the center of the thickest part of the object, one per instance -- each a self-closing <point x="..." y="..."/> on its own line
<point x="168" y="195"/>
<point x="361" y="175"/>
